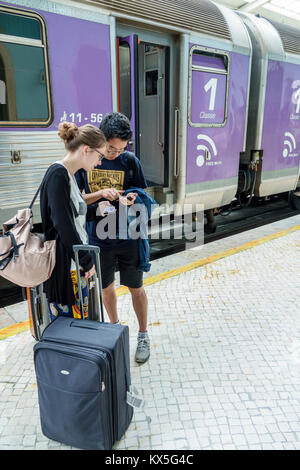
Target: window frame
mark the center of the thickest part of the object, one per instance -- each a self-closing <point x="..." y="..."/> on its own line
<point x="153" y="50"/>
<point x="127" y="46"/>
<point x="43" y="44"/>
<point x="192" y="68"/>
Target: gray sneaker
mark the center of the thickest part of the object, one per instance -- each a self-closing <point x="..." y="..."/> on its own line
<point x="143" y="350"/>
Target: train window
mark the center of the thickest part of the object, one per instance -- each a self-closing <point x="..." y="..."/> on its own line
<point x="208" y="88"/>
<point x="125" y="79"/>
<point x="24" y="72"/>
<point x="203" y="60"/>
<point x="151" y="77"/>
<point x="15" y="25"/>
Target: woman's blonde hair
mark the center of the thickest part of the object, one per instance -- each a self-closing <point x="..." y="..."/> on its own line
<point x="74" y="136"/>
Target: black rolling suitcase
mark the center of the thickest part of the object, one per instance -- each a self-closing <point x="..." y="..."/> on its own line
<point x="83" y="376"/>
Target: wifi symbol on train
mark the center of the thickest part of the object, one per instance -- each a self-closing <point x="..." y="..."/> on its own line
<point x="289" y="143"/>
<point x="206" y="149"/>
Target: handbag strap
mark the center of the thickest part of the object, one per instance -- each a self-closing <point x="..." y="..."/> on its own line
<point x="4" y="262"/>
<point x="35" y="196"/>
<point x="37" y="193"/>
<point x="13" y="253"/>
<point x="15" y="245"/>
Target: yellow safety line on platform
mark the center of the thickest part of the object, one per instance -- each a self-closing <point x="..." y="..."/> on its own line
<point x="20" y="327"/>
<point x="14" y="329"/>
<point x="210" y="259"/>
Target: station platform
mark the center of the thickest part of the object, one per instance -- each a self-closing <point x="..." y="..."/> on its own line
<point x="224" y="370"/>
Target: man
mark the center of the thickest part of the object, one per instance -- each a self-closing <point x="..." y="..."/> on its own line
<point x="119" y="171"/>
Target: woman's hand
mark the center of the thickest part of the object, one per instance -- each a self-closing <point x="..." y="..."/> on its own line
<point x="102" y="206"/>
<point x="90" y="273"/>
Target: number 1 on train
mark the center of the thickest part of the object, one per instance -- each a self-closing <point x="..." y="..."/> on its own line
<point x="212" y="85"/>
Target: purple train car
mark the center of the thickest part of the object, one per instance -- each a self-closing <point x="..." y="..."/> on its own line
<point x="273" y="138"/>
<point x="214" y="105"/>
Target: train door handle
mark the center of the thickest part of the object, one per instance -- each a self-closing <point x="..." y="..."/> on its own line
<point x="159" y="126"/>
<point x="176" y="121"/>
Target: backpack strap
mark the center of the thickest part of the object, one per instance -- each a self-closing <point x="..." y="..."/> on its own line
<point x="131" y="168"/>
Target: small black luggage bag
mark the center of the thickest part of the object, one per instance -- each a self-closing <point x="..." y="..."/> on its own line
<point x="83" y="376"/>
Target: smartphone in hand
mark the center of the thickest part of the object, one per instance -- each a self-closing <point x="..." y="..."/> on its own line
<point x="129" y="197"/>
<point x="109" y="210"/>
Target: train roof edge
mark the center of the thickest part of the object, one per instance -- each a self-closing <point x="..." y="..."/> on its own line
<point x="195" y="15"/>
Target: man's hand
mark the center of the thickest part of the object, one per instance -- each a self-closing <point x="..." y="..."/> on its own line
<point x="129" y="199"/>
<point x="111" y="194"/>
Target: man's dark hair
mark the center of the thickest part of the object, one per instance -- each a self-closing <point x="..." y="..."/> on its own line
<point x="116" y="125"/>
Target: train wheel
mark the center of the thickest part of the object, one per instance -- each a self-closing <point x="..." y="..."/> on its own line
<point x="295" y="200"/>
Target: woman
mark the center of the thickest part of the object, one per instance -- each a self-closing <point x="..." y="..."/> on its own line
<point x="64" y="214"/>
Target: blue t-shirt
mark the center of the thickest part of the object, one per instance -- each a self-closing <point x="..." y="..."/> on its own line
<point x="121" y="173"/>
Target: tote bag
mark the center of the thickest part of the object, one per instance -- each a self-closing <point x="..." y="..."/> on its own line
<point x="25" y="259"/>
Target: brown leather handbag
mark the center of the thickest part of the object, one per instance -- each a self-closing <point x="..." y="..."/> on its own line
<point x="25" y="259"/>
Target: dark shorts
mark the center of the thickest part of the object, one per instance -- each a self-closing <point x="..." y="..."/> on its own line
<point x="126" y="259"/>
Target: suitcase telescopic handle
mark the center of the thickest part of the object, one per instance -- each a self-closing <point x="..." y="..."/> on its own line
<point x="98" y="280"/>
<point x="94" y="248"/>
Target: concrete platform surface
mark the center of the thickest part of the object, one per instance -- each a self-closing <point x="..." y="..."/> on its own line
<point x="224" y="371"/>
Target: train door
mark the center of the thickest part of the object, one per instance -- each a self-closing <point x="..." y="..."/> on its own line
<point x="142" y="98"/>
